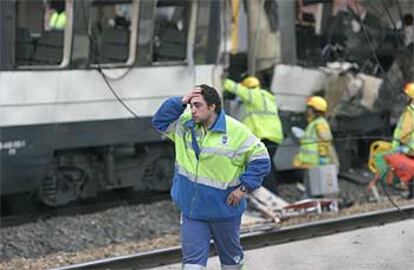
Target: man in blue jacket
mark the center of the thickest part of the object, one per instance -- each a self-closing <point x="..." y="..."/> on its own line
<point x="218" y="160"/>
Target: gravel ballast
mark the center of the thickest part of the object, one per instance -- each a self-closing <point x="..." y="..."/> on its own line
<point x="123" y="230"/>
<point x="73" y="233"/>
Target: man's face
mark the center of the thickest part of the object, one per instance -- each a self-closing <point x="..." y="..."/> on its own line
<point x="310" y="114"/>
<point x="409" y="100"/>
<point x="200" y="111"/>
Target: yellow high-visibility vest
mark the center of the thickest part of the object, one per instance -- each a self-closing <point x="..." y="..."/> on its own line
<point x="261" y="111"/>
<point x="404" y="132"/>
<point x="57" y="20"/>
<point x="316" y="143"/>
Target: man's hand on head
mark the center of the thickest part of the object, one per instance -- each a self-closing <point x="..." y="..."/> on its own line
<point x="196" y="91"/>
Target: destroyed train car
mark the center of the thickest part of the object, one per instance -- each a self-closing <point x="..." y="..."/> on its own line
<point x="356" y="54"/>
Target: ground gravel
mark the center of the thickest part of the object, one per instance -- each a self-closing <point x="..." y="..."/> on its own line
<point x="126" y="230"/>
<point x="72" y="234"/>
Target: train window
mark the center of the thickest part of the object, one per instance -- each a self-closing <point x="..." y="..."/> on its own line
<point x="112" y="27"/>
<point x="41" y="30"/>
<point x="207" y="39"/>
<point x="171" y="31"/>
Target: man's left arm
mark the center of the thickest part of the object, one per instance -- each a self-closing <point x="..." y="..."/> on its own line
<point x="258" y="166"/>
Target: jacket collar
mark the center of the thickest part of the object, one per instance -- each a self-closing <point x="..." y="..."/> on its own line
<point x="218" y="126"/>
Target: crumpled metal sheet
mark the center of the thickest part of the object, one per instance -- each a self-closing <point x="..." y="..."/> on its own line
<point x="347" y="93"/>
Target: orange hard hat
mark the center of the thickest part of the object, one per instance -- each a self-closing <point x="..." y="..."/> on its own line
<point x="251" y="82"/>
<point x="409" y="89"/>
<point x="317" y="103"/>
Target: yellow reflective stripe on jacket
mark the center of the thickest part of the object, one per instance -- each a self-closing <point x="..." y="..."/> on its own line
<point x="256" y="156"/>
<point x="259" y="113"/>
<point x="235" y="154"/>
<point x="228" y="161"/>
<point x="265" y="106"/>
<point x="247" y="144"/>
<point x="226" y="153"/>
<point x="215" y="151"/>
<point x="206" y="180"/>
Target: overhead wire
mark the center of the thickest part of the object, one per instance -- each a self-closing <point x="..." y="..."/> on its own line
<point x="369" y="40"/>
<point x="102" y="73"/>
<point x="373" y="51"/>
<point x="123" y="75"/>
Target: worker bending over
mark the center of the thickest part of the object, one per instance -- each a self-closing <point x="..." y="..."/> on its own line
<point x="261" y="118"/>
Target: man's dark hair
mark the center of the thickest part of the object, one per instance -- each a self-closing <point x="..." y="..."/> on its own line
<point x="211" y="96"/>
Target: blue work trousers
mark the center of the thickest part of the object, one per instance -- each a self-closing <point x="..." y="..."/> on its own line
<point x="195" y="238"/>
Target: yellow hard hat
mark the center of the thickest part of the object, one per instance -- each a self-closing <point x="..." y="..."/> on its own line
<point x="251" y="82"/>
<point x="409" y="89"/>
<point x="318" y="103"/>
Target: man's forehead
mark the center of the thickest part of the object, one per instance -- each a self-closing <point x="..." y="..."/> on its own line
<point x="197" y="99"/>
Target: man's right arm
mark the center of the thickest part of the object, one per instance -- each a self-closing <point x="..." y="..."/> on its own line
<point x="167" y="116"/>
<point x="237" y="89"/>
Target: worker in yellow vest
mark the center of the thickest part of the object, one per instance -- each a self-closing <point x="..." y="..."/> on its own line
<point x="57" y="20"/>
<point x="218" y="160"/>
<point x="316" y="147"/>
<point x="403" y="139"/>
<point x="261" y="118"/>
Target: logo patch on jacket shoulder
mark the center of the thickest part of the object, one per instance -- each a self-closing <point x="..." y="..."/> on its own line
<point x="224" y="139"/>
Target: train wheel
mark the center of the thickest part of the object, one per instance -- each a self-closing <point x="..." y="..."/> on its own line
<point x="62" y="187"/>
<point x="159" y="173"/>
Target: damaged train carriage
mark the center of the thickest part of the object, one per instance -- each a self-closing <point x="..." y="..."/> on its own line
<point x="77" y="100"/>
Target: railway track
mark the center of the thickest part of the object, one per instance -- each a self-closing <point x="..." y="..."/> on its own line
<point x="43" y="213"/>
<point x="256" y="239"/>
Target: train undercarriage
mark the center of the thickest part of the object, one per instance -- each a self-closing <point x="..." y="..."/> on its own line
<point x="83" y="173"/>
